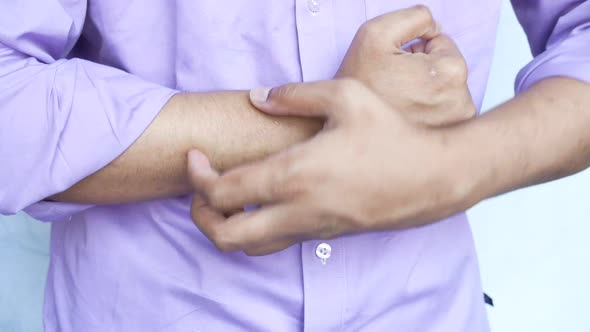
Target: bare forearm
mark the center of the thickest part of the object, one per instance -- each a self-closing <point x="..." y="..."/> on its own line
<point x="539" y="136"/>
<point x="222" y="125"/>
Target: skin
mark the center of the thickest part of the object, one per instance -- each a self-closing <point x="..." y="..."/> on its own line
<point x="215" y="123"/>
<point x="444" y="170"/>
<point x="396" y="173"/>
<point x="427" y="84"/>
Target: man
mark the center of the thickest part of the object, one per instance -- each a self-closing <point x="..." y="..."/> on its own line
<point x="124" y="255"/>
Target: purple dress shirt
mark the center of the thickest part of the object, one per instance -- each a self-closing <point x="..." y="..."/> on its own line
<point x="80" y="80"/>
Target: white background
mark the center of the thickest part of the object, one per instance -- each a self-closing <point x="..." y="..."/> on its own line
<point x="532" y="243"/>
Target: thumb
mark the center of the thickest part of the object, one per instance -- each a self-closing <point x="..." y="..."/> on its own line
<point x="328" y="99"/>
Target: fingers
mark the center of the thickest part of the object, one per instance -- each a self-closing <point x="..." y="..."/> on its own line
<point x="442" y="45"/>
<point x="201" y="175"/>
<point x="265" y="227"/>
<point x="258" y="232"/>
<point x="219" y="191"/>
<point x="404" y="25"/>
<point x="264" y="182"/>
<point x="449" y="61"/>
<point x="205" y="217"/>
<point x="271" y="248"/>
<point x="328" y="99"/>
<point x="252" y="184"/>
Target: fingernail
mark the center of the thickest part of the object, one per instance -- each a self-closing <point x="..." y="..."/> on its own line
<point x="259" y="95"/>
<point x="198" y="160"/>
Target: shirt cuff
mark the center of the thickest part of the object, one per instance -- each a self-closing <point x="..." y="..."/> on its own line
<point x="118" y="110"/>
<point x="55" y="211"/>
<point x="571" y="58"/>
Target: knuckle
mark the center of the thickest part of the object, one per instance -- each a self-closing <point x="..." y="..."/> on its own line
<point x="295" y="185"/>
<point x="216" y="198"/>
<point x="454" y="69"/>
<point x="469" y="112"/>
<point x="370" y="32"/>
<point x="222" y="243"/>
<point x="277" y="188"/>
<point x="461" y="111"/>
<point x="446" y="42"/>
<point x="423" y="11"/>
<point x="287" y="91"/>
<point x="293" y="181"/>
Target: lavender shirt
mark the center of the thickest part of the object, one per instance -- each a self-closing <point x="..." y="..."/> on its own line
<point x="81" y="80"/>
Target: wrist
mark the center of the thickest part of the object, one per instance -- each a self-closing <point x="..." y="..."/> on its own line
<point x="462" y="167"/>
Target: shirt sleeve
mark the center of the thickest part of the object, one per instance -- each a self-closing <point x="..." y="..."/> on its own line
<point x="559" y="36"/>
<point x="60" y="119"/>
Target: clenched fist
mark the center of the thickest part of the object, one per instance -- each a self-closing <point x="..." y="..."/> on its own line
<point x="427" y="82"/>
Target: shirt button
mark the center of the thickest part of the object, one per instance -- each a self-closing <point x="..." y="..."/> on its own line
<point x="323" y="251"/>
<point x="313" y="6"/>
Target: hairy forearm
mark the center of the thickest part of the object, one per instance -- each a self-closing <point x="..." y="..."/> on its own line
<point x="223" y="125"/>
<point x="539" y="136"/>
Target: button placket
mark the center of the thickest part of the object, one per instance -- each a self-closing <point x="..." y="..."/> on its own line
<point x="316" y="36"/>
<point x="324" y="284"/>
<point x="323" y="266"/>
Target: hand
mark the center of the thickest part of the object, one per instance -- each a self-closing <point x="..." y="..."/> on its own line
<point x="369" y="169"/>
<point x="428" y="83"/>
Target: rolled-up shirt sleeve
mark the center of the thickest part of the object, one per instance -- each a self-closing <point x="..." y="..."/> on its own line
<point x="559" y="36"/>
<point x="61" y="119"/>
